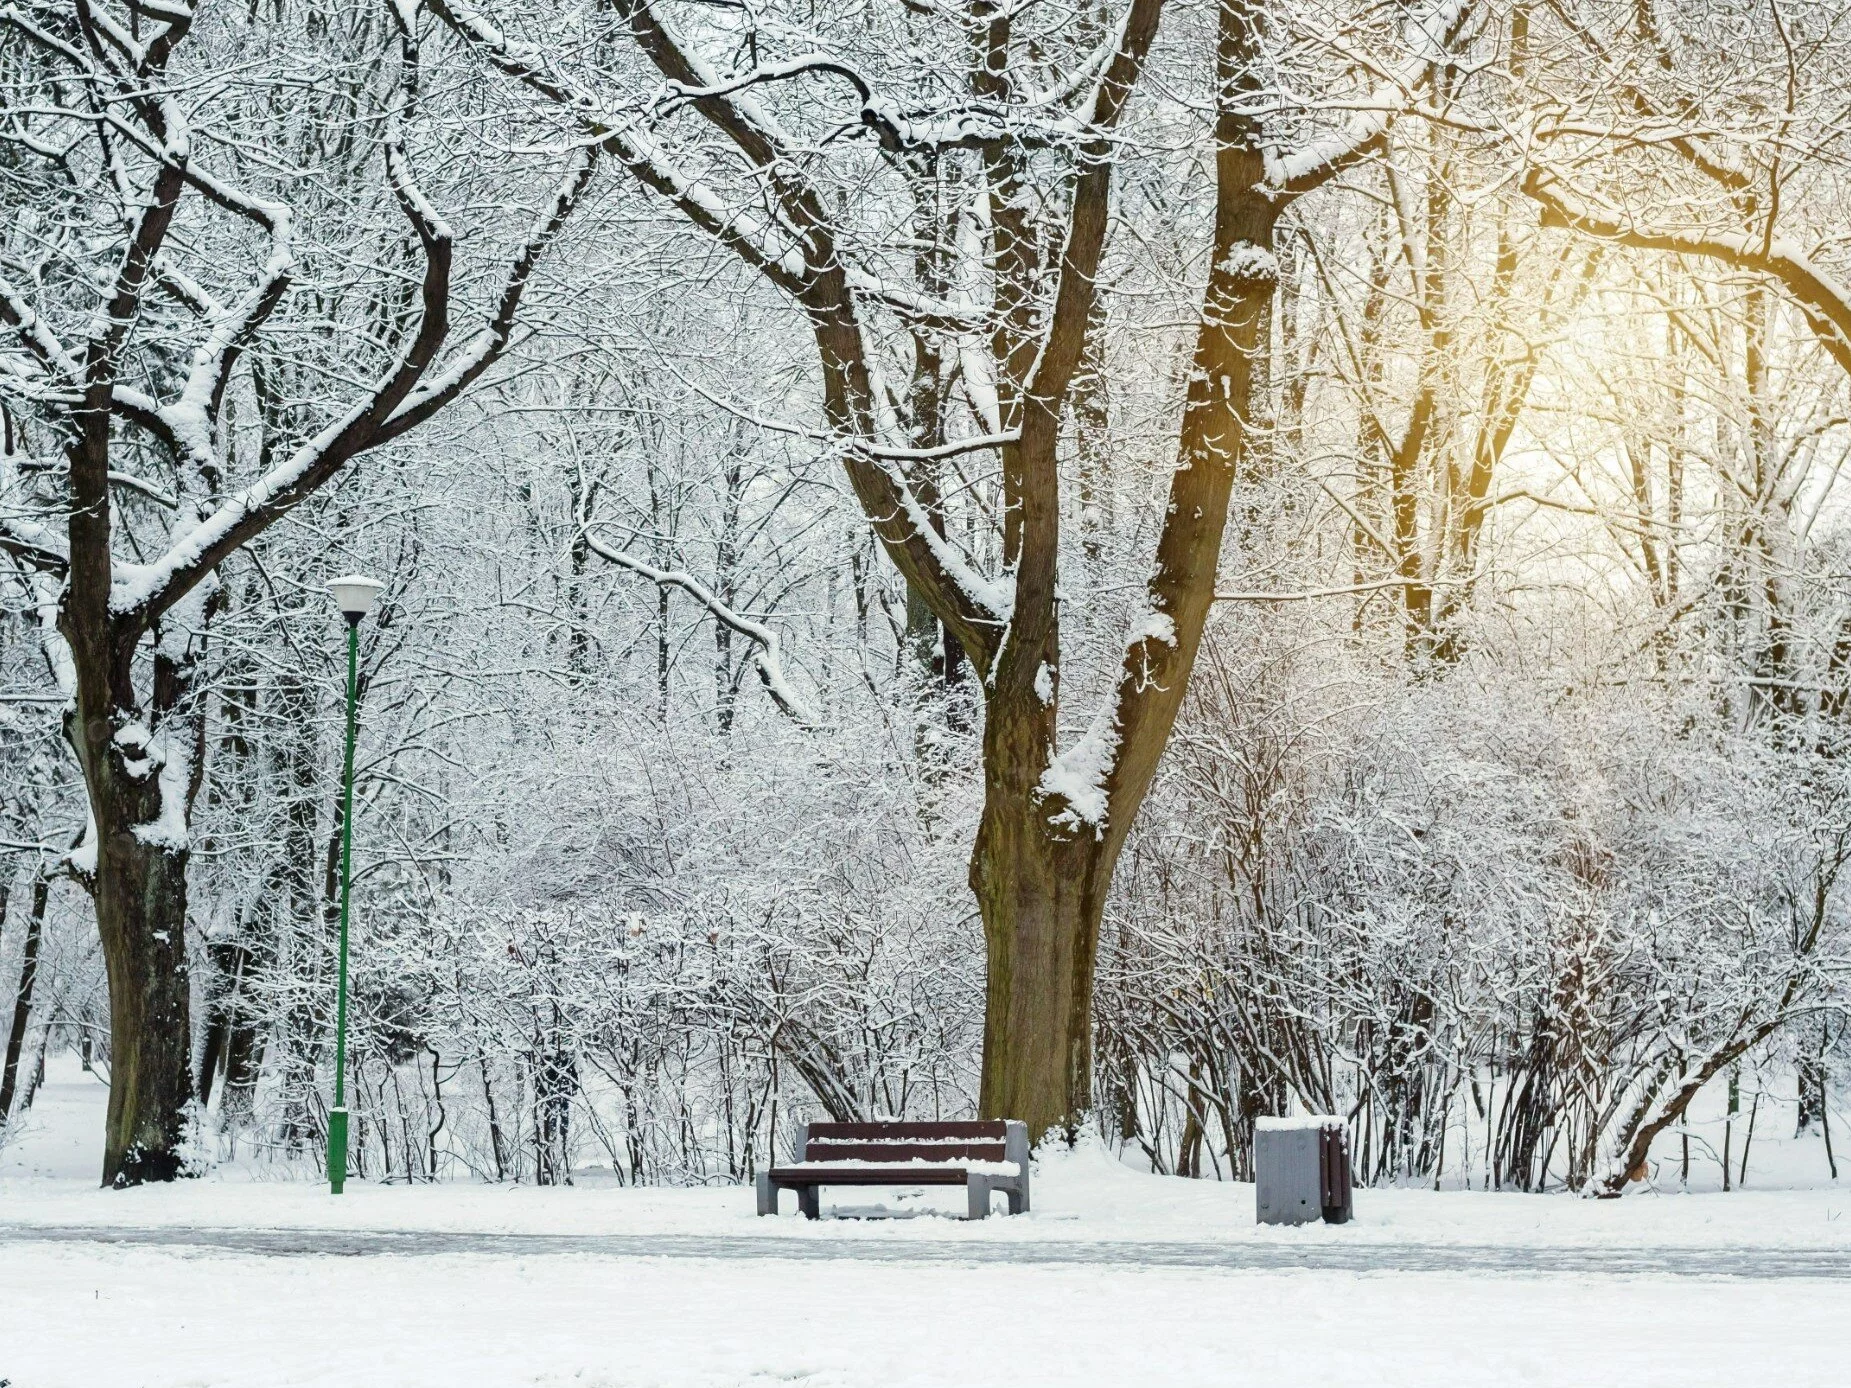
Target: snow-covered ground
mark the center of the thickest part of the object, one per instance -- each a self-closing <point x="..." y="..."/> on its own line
<point x="1097" y="1293"/>
<point x="147" y="1318"/>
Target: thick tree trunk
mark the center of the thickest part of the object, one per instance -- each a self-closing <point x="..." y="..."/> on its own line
<point x="141" y="915"/>
<point x="1041" y="898"/>
<point x="141" y="785"/>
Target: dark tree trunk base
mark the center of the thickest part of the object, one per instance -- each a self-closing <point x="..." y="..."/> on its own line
<point x="141" y="916"/>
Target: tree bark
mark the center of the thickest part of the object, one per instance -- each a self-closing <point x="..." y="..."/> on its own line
<point x="22" y="1005"/>
<point x="1041" y="900"/>
<point x="233" y="1043"/>
<point x="141" y="914"/>
<point x="138" y="885"/>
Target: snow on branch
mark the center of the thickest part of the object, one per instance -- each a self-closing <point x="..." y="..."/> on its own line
<point x="33" y="333"/>
<point x="1078" y="782"/>
<point x="991" y="600"/>
<point x="619" y="131"/>
<point x="1825" y="302"/>
<point x="1346" y="590"/>
<point x="924" y="310"/>
<point x="215" y="190"/>
<point x="769" y="655"/>
<point x="1299" y="171"/>
<point x="147" y="590"/>
<point x="190" y="417"/>
<point x="767" y="244"/>
<point x="29" y="545"/>
<point x="1075" y="781"/>
<point x="482" y="350"/>
<point x="425" y="219"/>
<point x="963" y="125"/>
<point x="43" y="37"/>
<point x="954" y="449"/>
<point x="897" y="512"/>
<point x="115" y="315"/>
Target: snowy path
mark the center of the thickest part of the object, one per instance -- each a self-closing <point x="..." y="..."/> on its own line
<point x="1759" y="1263"/>
<point x="80" y="1314"/>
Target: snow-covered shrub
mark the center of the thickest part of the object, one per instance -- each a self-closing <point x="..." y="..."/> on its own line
<point x="1502" y="933"/>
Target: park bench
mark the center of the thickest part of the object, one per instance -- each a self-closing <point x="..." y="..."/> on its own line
<point x="981" y="1157"/>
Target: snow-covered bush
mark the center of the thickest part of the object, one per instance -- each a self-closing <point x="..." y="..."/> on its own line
<point x="1503" y="931"/>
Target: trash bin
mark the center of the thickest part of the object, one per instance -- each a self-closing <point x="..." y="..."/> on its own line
<point x="1301" y="1170"/>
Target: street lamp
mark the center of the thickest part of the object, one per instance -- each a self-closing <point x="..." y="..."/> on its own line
<point x="355" y="597"/>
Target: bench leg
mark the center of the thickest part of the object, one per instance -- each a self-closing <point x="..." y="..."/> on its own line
<point x="767" y="1194"/>
<point x="979" y="1189"/>
<point x="1015" y="1143"/>
<point x="809" y="1203"/>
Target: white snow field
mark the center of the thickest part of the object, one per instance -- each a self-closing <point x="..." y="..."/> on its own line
<point x="1117" y="1278"/>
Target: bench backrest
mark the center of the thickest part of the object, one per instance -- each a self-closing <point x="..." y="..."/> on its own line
<point x="908" y="1142"/>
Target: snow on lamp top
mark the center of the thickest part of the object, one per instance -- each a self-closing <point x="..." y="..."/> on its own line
<point x="355" y="595"/>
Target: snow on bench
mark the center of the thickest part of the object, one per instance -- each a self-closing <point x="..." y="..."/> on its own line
<point x="980" y="1156"/>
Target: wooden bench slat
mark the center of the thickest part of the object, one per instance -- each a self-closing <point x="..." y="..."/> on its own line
<point x="994" y="1130"/>
<point x="831" y="1150"/>
<point x="871" y="1175"/>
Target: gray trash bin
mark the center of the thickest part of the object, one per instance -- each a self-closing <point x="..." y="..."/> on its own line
<point x="1301" y="1170"/>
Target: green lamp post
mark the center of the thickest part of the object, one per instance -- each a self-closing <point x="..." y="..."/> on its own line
<point x="355" y="597"/>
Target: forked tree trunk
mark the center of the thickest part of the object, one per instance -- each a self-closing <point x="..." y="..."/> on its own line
<point x="1042" y="864"/>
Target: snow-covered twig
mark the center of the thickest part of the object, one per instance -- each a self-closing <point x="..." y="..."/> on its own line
<point x="769" y="655"/>
<point x="1316" y="163"/>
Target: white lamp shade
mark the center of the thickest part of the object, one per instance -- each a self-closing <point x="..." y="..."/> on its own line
<point x="355" y="595"/>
